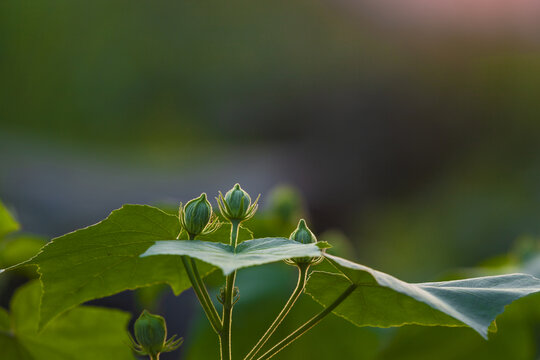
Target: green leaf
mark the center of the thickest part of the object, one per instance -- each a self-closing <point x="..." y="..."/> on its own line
<point x="19" y="248"/>
<point x="382" y="300"/>
<point x="103" y="259"/>
<point x="83" y="333"/>
<point x="7" y="222"/>
<point x="248" y="253"/>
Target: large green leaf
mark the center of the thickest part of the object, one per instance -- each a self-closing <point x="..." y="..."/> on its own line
<point x="103" y="259"/>
<point x="382" y="300"/>
<point x="229" y="259"/>
<point x="83" y="333"/>
<point x="7" y="222"/>
<point x="515" y="339"/>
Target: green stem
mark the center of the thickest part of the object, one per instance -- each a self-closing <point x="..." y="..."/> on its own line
<point x="302" y="276"/>
<point x="225" y="335"/>
<point x="308" y="325"/>
<point x="209" y="303"/>
<point x="209" y="310"/>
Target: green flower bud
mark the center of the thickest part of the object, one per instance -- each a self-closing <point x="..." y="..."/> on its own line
<point x="303" y="234"/>
<point x="238" y="201"/>
<point x="196" y="217"/>
<point x="236" y="204"/>
<point x="197" y="213"/>
<point x="151" y="333"/>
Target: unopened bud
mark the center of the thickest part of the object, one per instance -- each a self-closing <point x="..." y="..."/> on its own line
<point x="236" y="204"/>
<point x="151" y="336"/>
<point x="196" y="217"/>
<point x="197" y="213"/>
<point x="151" y="332"/>
<point x="304" y="235"/>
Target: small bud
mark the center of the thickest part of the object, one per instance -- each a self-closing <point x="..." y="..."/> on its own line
<point x="235" y="294"/>
<point x="151" y="332"/>
<point x="304" y="235"/>
<point x="196" y="217"/>
<point x="151" y="335"/>
<point x="236" y="204"/>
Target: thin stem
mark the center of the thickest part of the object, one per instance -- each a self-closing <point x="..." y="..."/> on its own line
<point x="308" y="325"/>
<point x="209" y="303"/>
<point x="302" y="276"/>
<point x="210" y="308"/>
<point x="214" y="321"/>
<point x="225" y="335"/>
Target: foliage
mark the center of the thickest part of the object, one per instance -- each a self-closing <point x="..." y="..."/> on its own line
<point x="83" y="333"/>
<point x="139" y="245"/>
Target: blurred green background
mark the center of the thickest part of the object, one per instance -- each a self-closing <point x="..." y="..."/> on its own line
<point x="410" y="135"/>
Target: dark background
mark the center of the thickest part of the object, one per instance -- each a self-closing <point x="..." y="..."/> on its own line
<point x="413" y="129"/>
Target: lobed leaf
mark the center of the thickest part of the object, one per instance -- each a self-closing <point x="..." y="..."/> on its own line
<point x="103" y="259"/>
<point x="382" y="300"/>
<point x="248" y="253"/>
<point x="83" y="333"/>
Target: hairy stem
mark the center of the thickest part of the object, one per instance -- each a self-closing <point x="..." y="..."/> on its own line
<point x="302" y="275"/>
<point x="228" y="303"/>
<point x="308" y="325"/>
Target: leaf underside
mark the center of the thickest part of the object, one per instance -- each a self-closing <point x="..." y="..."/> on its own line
<point x="83" y="333"/>
<point x="248" y="253"/>
<point x="381" y="300"/>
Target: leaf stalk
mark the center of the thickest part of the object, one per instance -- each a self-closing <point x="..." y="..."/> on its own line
<point x="302" y="277"/>
<point x="308" y="325"/>
<point x="228" y="303"/>
<point x="202" y="293"/>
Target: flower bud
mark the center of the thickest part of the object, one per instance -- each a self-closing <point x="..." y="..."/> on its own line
<point x="236" y="204"/>
<point x="238" y="201"/>
<point x="197" y="213"/>
<point x="303" y="234"/>
<point x="151" y="335"/>
<point x="196" y="217"/>
<point x="151" y="332"/>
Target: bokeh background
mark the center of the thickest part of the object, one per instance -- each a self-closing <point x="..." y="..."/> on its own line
<point x="407" y="132"/>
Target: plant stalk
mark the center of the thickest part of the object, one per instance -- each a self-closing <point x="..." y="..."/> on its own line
<point x="302" y="276"/>
<point x="228" y="302"/>
<point x="202" y="296"/>
<point x="308" y="325"/>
